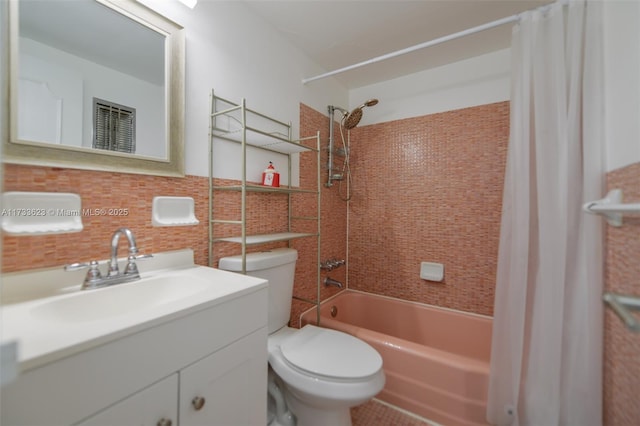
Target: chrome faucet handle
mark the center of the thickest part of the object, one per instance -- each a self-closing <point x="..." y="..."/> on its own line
<point x="93" y="274"/>
<point x="131" y="268"/>
<point x="93" y="277"/>
<point x="339" y="263"/>
<point x="76" y="266"/>
<point x="332" y="264"/>
<point x="327" y="265"/>
<point x="93" y="268"/>
<point x="131" y="264"/>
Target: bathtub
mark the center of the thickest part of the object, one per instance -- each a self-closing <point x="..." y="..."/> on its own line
<point x="436" y="360"/>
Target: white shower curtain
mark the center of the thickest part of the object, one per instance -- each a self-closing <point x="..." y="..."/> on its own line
<point x="546" y="357"/>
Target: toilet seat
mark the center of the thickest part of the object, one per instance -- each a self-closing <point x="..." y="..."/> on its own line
<point x="330" y="354"/>
<point x="316" y="382"/>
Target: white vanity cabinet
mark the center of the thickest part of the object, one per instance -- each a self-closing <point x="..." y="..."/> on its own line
<point x="221" y="389"/>
<point x="227" y="387"/>
<point x="217" y="352"/>
<point x="156" y="405"/>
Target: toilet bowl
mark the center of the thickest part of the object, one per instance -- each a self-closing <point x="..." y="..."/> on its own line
<point x="321" y="373"/>
<point x="325" y="373"/>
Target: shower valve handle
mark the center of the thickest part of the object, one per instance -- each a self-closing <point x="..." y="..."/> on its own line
<point x="331" y="264"/>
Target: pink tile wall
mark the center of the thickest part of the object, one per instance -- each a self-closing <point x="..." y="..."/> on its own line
<point x="103" y="190"/>
<point x="267" y="213"/>
<point x="621" y="346"/>
<point x="333" y="220"/>
<point x="429" y="189"/>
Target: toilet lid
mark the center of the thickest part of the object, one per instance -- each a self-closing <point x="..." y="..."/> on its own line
<point x="330" y="353"/>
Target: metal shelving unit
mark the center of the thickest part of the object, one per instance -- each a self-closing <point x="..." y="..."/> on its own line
<point x="234" y="122"/>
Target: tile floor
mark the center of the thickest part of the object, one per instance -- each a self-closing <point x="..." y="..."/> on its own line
<point x="376" y="413"/>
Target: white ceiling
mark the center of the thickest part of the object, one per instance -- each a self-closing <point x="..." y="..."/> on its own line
<point x="335" y="34"/>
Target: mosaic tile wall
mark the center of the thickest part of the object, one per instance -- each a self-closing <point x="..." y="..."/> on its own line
<point x="429" y="189"/>
<point x="333" y="220"/>
<point x="103" y="190"/>
<point x="434" y="160"/>
<point x="267" y="213"/>
<point x="622" y="346"/>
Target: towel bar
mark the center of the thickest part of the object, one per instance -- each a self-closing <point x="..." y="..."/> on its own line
<point x="611" y="207"/>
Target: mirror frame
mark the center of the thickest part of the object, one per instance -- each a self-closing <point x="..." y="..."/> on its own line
<point x="43" y="154"/>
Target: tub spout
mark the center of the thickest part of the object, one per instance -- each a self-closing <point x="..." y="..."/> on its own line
<point x="330" y="281"/>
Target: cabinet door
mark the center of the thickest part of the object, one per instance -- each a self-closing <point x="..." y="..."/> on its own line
<point x="228" y="387"/>
<point x="156" y="405"/>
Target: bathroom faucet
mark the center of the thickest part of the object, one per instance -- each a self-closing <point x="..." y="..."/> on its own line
<point x="133" y="251"/>
<point x="94" y="278"/>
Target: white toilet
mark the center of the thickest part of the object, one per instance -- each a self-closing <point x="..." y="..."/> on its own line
<point x="323" y="372"/>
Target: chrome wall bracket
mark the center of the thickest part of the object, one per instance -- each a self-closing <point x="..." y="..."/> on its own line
<point x="623" y="305"/>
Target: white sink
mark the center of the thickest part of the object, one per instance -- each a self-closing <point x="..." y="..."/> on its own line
<point x="121" y="299"/>
<point x="51" y="318"/>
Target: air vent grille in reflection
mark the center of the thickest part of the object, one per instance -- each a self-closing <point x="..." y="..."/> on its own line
<point x="114" y="126"/>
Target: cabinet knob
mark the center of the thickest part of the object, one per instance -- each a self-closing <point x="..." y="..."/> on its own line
<point x="198" y="402"/>
<point x="164" y="422"/>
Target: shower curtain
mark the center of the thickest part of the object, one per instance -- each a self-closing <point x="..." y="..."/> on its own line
<point x="546" y="357"/>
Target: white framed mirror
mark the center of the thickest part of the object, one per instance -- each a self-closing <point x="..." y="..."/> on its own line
<point x="95" y="84"/>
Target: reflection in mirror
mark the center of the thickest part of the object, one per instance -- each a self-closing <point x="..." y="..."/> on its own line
<point x="95" y="79"/>
<point x="73" y="52"/>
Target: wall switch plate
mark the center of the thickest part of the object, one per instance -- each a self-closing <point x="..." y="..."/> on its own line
<point x="432" y="271"/>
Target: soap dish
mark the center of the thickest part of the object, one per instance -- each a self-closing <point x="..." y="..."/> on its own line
<point x="41" y="213"/>
<point x="432" y="271"/>
<point x="173" y="211"/>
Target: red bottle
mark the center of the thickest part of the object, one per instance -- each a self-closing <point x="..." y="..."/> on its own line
<point x="270" y="177"/>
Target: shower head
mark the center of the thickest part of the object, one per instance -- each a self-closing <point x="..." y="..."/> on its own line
<point x="351" y="120"/>
<point x="369" y="103"/>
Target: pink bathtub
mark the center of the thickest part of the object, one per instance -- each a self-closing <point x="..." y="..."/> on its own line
<point x="436" y="360"/>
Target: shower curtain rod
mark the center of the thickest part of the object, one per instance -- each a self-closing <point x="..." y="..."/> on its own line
<point x="479" y="28"/>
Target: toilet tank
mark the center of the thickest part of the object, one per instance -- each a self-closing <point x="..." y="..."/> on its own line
<point x="278" y="267"/>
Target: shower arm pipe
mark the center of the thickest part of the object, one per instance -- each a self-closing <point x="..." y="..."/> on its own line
<point x="459" y="34"/>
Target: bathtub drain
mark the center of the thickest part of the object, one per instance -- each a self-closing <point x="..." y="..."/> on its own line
<point x="334" y="311"/>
